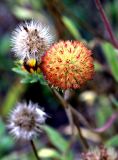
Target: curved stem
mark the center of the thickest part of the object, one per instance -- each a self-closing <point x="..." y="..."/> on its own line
<point x="34" y="150"/>
<point x="83" y="140"/>
<point x="76" y="121"/>
<point x="70" y="119"/>
<point x="69" y="113"/>
<point x="106" y="23"/>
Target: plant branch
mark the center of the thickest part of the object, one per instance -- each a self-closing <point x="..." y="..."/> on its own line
<point x="106" y="23"/>
<point x="34" y="150"/>
<point x="83" y="140"/>
<point x="69" y="113"/>
<point x="76" y="120"/>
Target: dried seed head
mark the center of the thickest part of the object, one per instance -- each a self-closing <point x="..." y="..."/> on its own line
<point x="25" y="121"/>
<point x="31" y="40"/>
<point x="67" y="64"/>
<point x="101" y="153"/>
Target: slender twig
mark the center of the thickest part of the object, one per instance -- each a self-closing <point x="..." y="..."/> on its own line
<point x="70" y="119"/>
<point x="82" y="119"/>
<point x="69" y="113"/>
<point x="34" y="150"/>
<point x="74" y="112"/>
<point x="83" y="140"/>
<point x="71" y="122"/>
<point x="76" y="121"/>
<point x="106" y="23"/>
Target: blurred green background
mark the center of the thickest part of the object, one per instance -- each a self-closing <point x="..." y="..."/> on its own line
<point x="97" y="101"/>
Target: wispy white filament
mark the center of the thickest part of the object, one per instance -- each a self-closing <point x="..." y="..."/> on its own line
<point x="25" y="121"/>
<point x="31" y="40"/>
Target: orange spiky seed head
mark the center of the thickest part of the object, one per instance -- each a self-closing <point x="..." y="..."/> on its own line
<point x="67" y="65"/>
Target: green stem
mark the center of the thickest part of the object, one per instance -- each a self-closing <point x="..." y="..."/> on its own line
<point x="34" y="150"/>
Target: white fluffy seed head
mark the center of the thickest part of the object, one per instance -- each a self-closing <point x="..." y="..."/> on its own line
<point x="31" y="40"/>
<point x="25" y="121"/>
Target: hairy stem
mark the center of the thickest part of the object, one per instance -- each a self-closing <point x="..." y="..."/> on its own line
<point x="106" y="23"/>
<point x="34" y="150"/>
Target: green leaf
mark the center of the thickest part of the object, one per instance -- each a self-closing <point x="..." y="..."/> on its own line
<point x="34" y="77"/>
<point x="12" y="97"/>
<point x="29" y="77"/>
<point x="42" y="80"/>
<point x="113" y="100"/>
<point x="104" y="110"/>
<point x="36" y="5"/>
<point x="2" y="128"/>
<point x="19" y="71"/>
<point x="6" y="143"/>
<point x="112" y="141"/>
<point x="49" y="153"/>
<point x="5" y="44"/>
<point x="97" y="66"/>
<point x="15" y="156"/>
<point x="112" y="59"/>
<point x="24" y="13"/>
<point x="55" y="137"/>
<point x="71" y="27"/>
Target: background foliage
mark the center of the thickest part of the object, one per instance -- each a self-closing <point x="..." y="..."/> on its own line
<point x="97" y="101"/>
